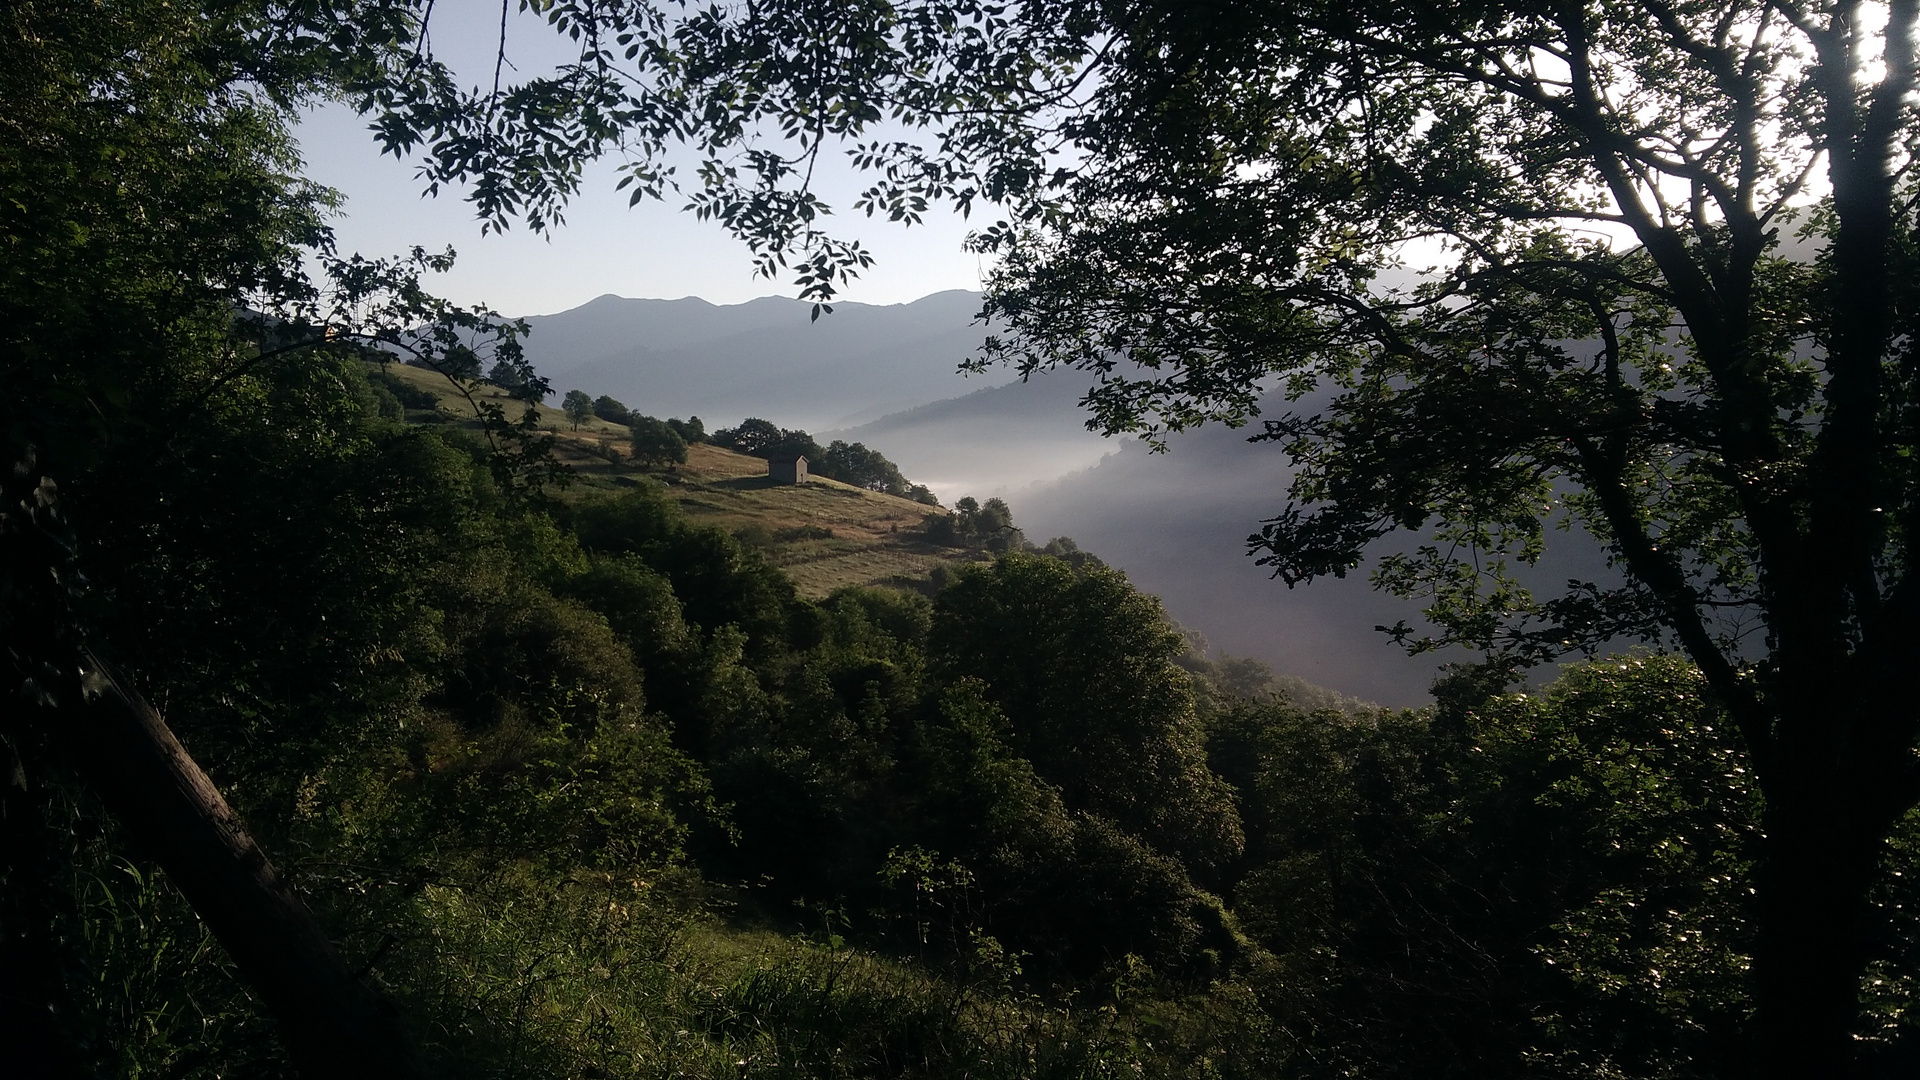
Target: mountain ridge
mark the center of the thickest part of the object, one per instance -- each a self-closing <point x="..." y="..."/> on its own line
<point x="765" y="357"/>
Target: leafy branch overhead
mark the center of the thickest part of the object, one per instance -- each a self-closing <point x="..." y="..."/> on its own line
<point x="1640" y="270"/>
<point x="940" y="102"/>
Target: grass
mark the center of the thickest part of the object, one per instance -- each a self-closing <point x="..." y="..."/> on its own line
<point x="594" y="978"/>
<point x="825" y="534"/>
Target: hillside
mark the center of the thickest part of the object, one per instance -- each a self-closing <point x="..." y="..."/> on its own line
<point x="1176" y="523"/>
<point x="825" y="534"/>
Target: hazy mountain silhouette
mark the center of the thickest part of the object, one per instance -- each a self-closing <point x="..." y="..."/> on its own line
<point x="1177" y="523"/>
<point x="766" y="357"/>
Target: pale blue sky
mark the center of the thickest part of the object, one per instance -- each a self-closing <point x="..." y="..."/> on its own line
<point x="651" y="250"/>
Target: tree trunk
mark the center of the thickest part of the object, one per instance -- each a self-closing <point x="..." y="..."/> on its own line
<point x="1812" y="946"/>
<point x="333" y="1024"/>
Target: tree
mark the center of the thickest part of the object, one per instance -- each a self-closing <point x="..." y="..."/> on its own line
<point x="854" y="463"/>
<point x="503" y="376"/>
<point x="1614" y="339"/>
<point x="654" y="442"/>
<point x="1508" y="879"/>
<point x="515" y="379"/>
<point x="987" y="525"/>
<point x="752" y="436"/>
<point x="147" y="143"/>
<point x="610" y="410"/>
<point x="1082" y="664"/>
<point x="1064" y="549"/>
<point x="691" y="429"/>
<point x="762" y="438"/>
<point x="792" y="443"/>
<point x="578" y="407"/>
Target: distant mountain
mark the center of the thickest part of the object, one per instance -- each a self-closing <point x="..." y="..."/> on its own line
<point x="1178" y="522"/>
<point x="766" y="357"/>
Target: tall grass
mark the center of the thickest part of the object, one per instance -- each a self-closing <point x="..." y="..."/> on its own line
<point x="512" y="974"/>
<point x="599" y="978"/>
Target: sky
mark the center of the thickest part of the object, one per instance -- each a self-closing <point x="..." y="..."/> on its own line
<point x="650" y="251"/>
<point x="653" y="250"/>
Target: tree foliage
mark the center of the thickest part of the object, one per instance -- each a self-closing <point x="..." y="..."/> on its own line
<point x="1614" y="339"/>
<point x="655" y="442"/>
<point x="610" y="410"/>
<point x="853" y="463"/>
<point x="691" y="429"/>
<point x="578" y="407"/>
<point x="987" y="525"/>
<point x="762" y="438"/>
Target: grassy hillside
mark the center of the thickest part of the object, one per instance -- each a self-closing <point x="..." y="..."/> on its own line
<point x="825" y="534"/>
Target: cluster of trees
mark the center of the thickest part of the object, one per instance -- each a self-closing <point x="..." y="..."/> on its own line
<point x="764" y="438"/>
<point x="986" y="525"/>
<point x="849" y="463"/>
<point x="989" y="527"/>
<point x="650" y="440"/>
<point x="611" y="410"/>
<point x="654" y="441"/>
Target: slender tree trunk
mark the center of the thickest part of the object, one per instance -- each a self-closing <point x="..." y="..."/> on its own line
<point x="334" y="1025"/>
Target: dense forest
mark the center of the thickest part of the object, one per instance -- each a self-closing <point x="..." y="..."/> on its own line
<point x="343" y="744"/>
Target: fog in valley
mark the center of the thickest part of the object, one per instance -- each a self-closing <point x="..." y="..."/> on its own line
<point x="1176" y="523"/>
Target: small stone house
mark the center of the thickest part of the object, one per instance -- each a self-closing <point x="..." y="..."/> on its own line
<point x="788" y="470"/>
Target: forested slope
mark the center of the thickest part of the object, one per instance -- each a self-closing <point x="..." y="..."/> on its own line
<point x="592" y="788"/>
